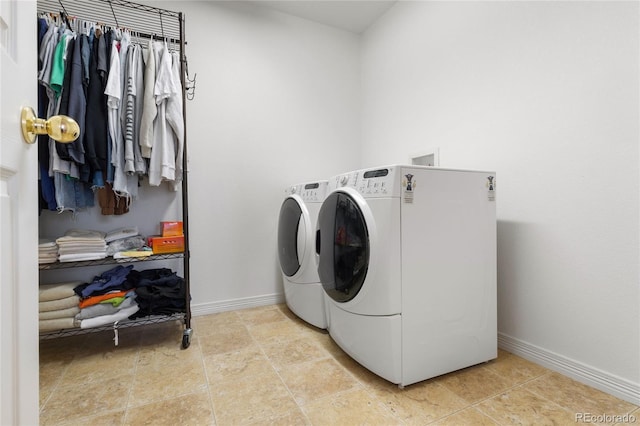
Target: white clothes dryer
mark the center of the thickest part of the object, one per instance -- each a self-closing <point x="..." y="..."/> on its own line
<point x="296" y="248"/>
<point x="407" y="259"/>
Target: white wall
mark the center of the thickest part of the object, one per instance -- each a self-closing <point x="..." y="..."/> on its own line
<point x="546" y="94"/>
<point x="277" y="102"/>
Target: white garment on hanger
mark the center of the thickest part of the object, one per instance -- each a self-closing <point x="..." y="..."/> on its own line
<point x="175" y="118"/>
<point x="122" y="185"/>
<point x="149" y="110"/>
<point x="163" y="162"/>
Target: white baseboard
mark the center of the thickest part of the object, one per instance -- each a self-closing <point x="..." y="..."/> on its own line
<point x="583" y="373"/>
<point x="235" y="304"/>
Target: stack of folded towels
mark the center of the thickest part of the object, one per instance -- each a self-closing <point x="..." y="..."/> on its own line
<point x="47" y="251"/>
<point x="81" y="244"/>
<point x="58" y="306"/>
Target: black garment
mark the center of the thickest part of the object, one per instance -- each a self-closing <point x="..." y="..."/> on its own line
<point x="74" y="100"/>
<point x="158" y="292"/>
<point x="63" y="148"/>
<point x="95" y="138"/>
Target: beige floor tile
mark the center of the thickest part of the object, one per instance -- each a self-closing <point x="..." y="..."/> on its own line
<point x="108" y="419"/>
<point x="419" y="403"/>
<point x="474" y="384"/>
<point x="283" y="355"/>
<point x="49" y="379"/>
<point x="275" y="332"/>
<point x="325" y="340"/>
<point x="633" y="417"/>
<point x="289" y="313"/>
<point x="73" y="402"/>
<point x="247" y="362"/>
<point x="577" y="397"/>
<point x="211" y="324"/>
<point x="95" y="365"/>
<point x="164" y="356"/>
<point x="468" y="416"/>
<point x="521" y="407"/>
<point x="162" y="375"/>
<point x="514" y="369"/>
<point x="261" y="315"/>
<point x="316" y="379"/>
<point x="292" y="418"/>
<point x="55" y="356"/>
<point x="234" y="338"/>
<point x="193" y="409"/>
<point x="250" y="399"/>
<point x="353" y="407"/>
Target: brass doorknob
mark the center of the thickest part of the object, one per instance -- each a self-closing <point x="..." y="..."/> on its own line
<point x="59" y="127"/>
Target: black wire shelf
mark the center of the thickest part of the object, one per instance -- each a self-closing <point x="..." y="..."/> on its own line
<point x="108" y="261"/>
<point x="118" y="325"/>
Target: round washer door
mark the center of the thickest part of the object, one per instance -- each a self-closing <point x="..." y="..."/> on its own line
<point x="291" y="236"/>
<point x="342" y="245"/>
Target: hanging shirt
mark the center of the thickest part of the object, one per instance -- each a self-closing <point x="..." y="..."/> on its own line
<point x="95" y="142"/>
<point x="124" y="185"/>
<point x="149" y="110"/>
<point x="175" y="118"/>
<point x="162" y="162"/>
<point x="77" y="99"/>
<point x="133" y="161"/>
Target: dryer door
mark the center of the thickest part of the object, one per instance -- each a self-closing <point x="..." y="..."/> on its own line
<point x="290" y="242"/>
<point x="342" y="243"/>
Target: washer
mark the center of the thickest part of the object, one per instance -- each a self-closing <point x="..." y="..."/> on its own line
<point x="296" y="251"/>
<point x="407" y="259"/>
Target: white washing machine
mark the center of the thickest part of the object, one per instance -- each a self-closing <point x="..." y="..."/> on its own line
<point x="296" y="251"/>
<point x="407" y="259"/>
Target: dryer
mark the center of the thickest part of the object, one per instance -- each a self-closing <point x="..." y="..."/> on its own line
<point x="296" y="248"/>
<point x="407" y="260"/>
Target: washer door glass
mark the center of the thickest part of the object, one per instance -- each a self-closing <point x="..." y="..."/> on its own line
<point x="290" y="216"/>
<point x="342" y="242"/>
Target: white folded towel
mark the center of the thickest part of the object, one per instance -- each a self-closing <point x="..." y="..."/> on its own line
<point x="120" y="233"/>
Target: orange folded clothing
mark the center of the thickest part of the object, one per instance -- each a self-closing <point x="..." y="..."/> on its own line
<point x="89" y="301"/>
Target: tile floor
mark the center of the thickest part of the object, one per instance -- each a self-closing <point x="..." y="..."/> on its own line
<point x="264" y="366"/>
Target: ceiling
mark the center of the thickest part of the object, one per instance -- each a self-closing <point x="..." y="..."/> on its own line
<point x="350" y="15"/>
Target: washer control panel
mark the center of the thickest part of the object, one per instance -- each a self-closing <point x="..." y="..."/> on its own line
<point x="376" y="182"/>
<point x="381" y="182"/>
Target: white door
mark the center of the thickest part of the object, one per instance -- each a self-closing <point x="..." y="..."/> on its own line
<point x="18" y="218"/>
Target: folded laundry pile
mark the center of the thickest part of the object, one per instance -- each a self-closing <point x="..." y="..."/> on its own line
<point x="108" y="298"/>
<point x="58" y="306"/>
<point x="47" y="251"/>
<point x="82" y="244"/>
<point x="117" y="294"/>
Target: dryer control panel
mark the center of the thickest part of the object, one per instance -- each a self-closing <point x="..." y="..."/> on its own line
<point x="313" y="191"/>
